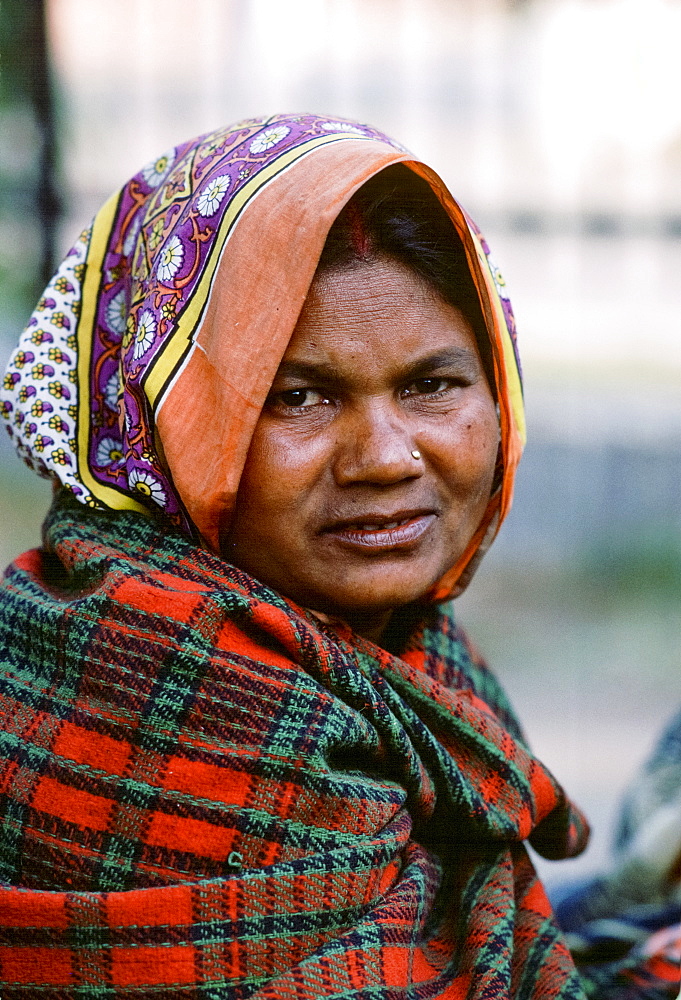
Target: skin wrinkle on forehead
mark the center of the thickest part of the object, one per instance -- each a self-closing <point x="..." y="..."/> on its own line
<point x="373" y="308"/>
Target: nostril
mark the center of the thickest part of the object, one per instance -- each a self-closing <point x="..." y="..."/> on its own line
<point x="379" y="462"/>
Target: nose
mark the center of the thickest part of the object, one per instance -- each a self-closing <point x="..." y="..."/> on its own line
<point x="376" y="445"/>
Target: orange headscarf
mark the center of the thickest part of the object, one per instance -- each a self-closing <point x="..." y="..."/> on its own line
<point x="140" y="378"/>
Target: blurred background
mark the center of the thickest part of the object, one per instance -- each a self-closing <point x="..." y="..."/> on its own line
<point x="557" y="124"/>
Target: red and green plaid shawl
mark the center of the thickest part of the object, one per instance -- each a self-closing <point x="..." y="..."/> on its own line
<point x="206" y="793"/>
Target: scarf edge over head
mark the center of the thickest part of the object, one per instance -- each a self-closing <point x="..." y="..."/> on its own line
<point x="154" y="346"/>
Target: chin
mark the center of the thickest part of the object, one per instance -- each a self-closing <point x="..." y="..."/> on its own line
<point x="367" y="599"/>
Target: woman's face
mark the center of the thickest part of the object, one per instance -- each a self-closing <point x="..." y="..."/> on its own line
<point x="334" y="509"/>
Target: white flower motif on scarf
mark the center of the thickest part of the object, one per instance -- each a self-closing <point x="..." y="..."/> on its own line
<point x="146" y="331"/>
<point x="343" y="127"/>
<point x="156" y="172"/>
<point x="145" y="483"/>
<point x="109" y="452"/>
<point x="111" y="391"/>
<point x="210" y="199"/>
<point x="270" y="137"/>
<point x="170" y="259"/>
<point x="37" y="405"/>
<point x="131" y="237"/>
<point x="117" y="312"/>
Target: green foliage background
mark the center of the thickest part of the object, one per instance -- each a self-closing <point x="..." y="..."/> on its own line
<point x="26" y="125"/>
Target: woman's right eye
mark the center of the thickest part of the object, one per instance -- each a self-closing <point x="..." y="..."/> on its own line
<point x="299" y="398"/>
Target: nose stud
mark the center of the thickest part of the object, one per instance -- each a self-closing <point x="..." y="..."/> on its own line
<point x="416" y="454"/>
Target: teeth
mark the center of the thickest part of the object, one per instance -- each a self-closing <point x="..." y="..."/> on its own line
<point x="373" y="527"/>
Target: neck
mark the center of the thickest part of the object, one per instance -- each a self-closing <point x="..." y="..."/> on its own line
<point x="370" y="625"/>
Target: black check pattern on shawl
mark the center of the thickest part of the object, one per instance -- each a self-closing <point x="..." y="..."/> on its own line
<point x="205" y="792"/>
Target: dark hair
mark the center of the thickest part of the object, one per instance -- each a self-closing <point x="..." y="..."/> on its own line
<point x="396" y="214"/>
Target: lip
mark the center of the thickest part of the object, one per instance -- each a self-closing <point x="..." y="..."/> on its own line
<point x="382" y="532"/>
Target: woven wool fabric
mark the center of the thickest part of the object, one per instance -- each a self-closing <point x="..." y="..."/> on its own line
<point x="206" y="790"/>
<point x="206" y="793"/>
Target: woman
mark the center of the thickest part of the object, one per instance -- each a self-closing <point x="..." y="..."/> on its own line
<point x="246" y="751"/>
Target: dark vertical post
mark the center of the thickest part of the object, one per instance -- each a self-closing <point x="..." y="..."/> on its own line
<point x="41" y="95"/>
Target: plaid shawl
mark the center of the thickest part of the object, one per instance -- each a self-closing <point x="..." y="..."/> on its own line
<point x="207" y="793"/>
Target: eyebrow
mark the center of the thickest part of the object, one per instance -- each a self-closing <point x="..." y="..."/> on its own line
<point x="462" y="359"/>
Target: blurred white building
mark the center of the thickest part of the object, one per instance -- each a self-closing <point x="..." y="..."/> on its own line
<point x="556" y="122"/>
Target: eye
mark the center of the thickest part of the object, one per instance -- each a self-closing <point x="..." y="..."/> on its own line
<point x="298" y="398"/>
<point x="427" y="386"/>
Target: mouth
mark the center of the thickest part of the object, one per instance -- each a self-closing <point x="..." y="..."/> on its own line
<point x="401" y="530"/>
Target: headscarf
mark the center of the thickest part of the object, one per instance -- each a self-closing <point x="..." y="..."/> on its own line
<point x="140" y="377"/>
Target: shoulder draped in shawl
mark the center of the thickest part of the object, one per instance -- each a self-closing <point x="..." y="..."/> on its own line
<point x="205" y="788"/>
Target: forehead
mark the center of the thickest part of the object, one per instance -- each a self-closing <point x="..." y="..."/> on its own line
<point x="378" y="314"/>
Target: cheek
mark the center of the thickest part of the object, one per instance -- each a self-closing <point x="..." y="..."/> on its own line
<point x="484" y="440"/>
<point x="470" y="453"/>
<point x="263" y="481"/>
<point x="279" y="470"/>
